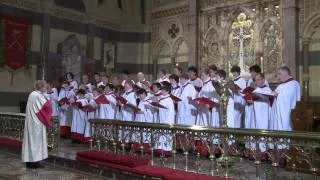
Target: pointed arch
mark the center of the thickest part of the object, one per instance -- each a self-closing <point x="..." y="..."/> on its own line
<point x="310" y="26"/>
<point x="177" y="44"/>
<point x="158" y="47"/>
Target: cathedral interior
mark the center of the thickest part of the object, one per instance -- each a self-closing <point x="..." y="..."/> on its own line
<point x="110" y="36"/>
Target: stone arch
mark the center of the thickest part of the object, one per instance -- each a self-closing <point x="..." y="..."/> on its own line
<point x="310" y="26"/>
<point x="156" y="50"/>
<point x="177" y="44"/>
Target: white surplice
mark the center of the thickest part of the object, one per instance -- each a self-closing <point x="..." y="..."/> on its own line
<point x="197" y="82"/>
<point x="65" y="111"/>
<point x="206" y="116"/>
<point x="127" y="112"/>
<point x="147" y="111"/>
<point x="35" y="146"/>
<point x="239" y="102"/>
<point x="166" y="116"/>
<point x="187" y="112"/>
<point x="288" y="96"/>
<point x="80" y="118"/>
<point x="112" y="106"/>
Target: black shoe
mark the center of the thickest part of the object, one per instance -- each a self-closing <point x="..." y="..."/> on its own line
<point x="31" y="165"/>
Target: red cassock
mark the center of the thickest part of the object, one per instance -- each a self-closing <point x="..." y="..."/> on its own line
<point x="203" y="101"/>
<point x="102" y="99"/>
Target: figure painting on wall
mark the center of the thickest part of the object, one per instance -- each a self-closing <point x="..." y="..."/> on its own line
<point x="109" y="56"/>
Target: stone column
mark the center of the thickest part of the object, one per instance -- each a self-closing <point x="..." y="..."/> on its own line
<point x="89" y="65"/>
<point x="290" y="20"/>
<point x="193" y="33"/>
<point x="305" y="69"/>
<point x="46" y="6"/>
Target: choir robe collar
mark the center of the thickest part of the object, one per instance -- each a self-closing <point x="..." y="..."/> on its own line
<point x="176" y="87"/>
<point x="262" y="86"/>
<point x="185" y="84"/>
<point x="110" y="93"/>
<point x="164" y="97"/>
<point x="237" y="78"/>
<point x="129" y="91"/>
<point x="207" y="81"/>
<point x="193" y="79"/>
<point x="288" y="80"/>
<point x="157" y="93"/>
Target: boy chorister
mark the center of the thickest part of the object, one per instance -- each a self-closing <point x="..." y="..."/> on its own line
<point x="166" y="116"/>
<point x="52" y="95"/>
<point x="146" y="110"/>
<point x="79" y="120"/>
<point x="66" y="96"/>
<point x="186" y="111"/>
<point x="156" y="89"/>
<point x="239" y="102"/>
<point x="207" y="117"/>
<point x="112" y="106"/>
<point x="129" y="95"/>
<point x="118" y="91"/>
<point x="174" y="80"/>
<point x="194" y="80"/>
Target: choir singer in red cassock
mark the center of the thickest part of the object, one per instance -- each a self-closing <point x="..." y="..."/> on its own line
<point x="38" y="118"/>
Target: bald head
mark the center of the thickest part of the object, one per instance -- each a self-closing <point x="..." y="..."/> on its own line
<point x="40" y="85"/>
<point x="284" y="73"/>
<point x="140" y="76"/>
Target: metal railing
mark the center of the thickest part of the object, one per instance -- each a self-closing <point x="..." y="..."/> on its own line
<point x="296" y="147"/>
<point x="12" y="126"/>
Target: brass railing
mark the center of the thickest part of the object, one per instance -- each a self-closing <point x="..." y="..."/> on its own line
<point x="296" y="147"/>
<point x="12" y="126"/>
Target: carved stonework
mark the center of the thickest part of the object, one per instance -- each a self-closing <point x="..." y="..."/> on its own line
<point x="107" y="24"/>
<point x="169" y="12"/>
<point x="69" y="14"/>
<point x="23" y="4"/>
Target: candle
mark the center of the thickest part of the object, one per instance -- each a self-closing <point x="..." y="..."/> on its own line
<point x="261" y="63"/>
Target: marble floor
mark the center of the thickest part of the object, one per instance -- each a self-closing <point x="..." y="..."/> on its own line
<point x="11" y="168"/>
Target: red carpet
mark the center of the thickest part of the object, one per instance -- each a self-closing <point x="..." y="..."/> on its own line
<point x="138" y="165"/>
<point x="10" y="142"/>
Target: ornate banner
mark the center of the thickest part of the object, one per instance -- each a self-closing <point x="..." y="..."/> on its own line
<point x="16" y="36"/>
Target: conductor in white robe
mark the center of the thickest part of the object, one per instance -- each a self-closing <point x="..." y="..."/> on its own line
<point x="287" y="95"/>
<point x="38" y="118"/>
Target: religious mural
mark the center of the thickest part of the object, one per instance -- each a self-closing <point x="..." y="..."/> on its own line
<point x="271" y="51"/>
<point x="109" y="56"/>
<point x="241" y="46"/>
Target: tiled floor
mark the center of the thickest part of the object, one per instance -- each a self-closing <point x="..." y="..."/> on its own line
<point x="11" y="168"/>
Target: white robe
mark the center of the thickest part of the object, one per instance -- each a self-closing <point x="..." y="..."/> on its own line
<point x="187" y="112"/>
<point x="155" y="98"/>
<point x="147" y="111"/>
<point x="239" y="103"/>
<point x="253" y="84"/>
<point x="288" y="95"/>
<point x="162" y="79"/>
<point x="35" y="146"/>
<point x="90" y="115"/>
<point x="207" y="117"/>
<point x="176" y="91"/>
<point x="65" y="111"/>
<point x="127" y="112"/>
<point x="196" y="82"/>
<point x="112" y="106"/>
<point x="80" y="118"/>
<point x="74" y="85"/>
<point x="166" y="116"/>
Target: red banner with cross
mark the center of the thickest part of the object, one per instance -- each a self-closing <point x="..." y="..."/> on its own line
<point x="16" y="38"/>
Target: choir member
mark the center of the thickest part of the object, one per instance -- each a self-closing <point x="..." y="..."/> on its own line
<point x="287" y="94"/>
<point x="258" y="111"/>
<point x="186" y="110"/>
<point x="112" y="105"/>
<point x="70" y="79"/>
<point x="207" y="116"/>
<point x="239" y="102"/>
<point x="86" y="83"/>
<point x="194" y="80"/>
<point x="129" y="95"/>
<point x="97" y="79"/>
<point x="174" y="80"/>
<point x="254" y="70"/>
<point x="104" y="79"/>
<point x="162" y="76"/>
<point x="166" y="116"/>
<point x="142" y="82"/>
<point x="126" y="76"/>
<point x="52" y="95"/>
<point x="146" y="110"/>
<point x="80" y="117"/>
<point x="66" y="96"/>
<point x="156" y="91"/>
<point x="96" y="92"/>
<point x="38" y="119"/>
<point x="102" y="106"/>
<point x="115" y="81"/>
<point x="177" y="71"/>
<point x="118" y="91"/>
<point x="213" y="72"/>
